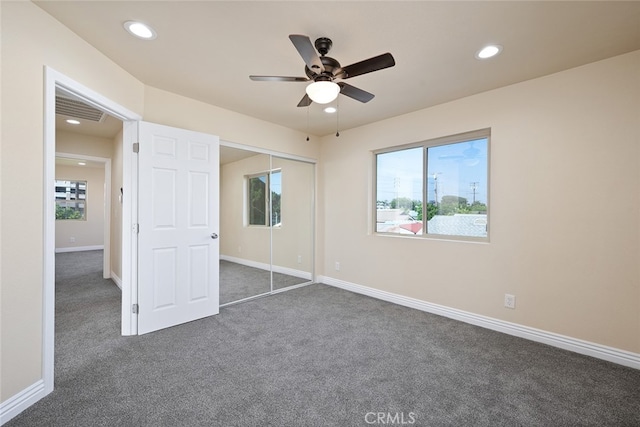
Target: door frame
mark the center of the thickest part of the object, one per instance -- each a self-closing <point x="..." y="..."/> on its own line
<point x="52" y="80"/>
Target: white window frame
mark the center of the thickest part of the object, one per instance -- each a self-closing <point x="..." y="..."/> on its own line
<point x="446" y="140"/>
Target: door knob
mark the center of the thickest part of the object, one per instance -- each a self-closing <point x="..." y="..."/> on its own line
<point x="214" y="236"/>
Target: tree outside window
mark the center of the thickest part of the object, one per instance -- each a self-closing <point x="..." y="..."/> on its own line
<point x="264" y="194"/>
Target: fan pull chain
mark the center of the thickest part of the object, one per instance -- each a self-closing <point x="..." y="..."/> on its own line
<point x="338" y="117"/>
<point x="308" y="107"/>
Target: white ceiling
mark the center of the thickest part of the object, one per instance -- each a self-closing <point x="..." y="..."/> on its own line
<point x="206" y="50"/>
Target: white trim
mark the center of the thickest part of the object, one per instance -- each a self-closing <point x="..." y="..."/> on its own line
<point x="52" y="80"/>
<point x="116" y="279"/>
<point x="129" y="268"/>
<point x="621" y="357"/>
<point x="224" y="143"/>
<point x="293" y="272"/>
<point x="21" y="401"/>
<point x="81" y="249"/>
<point x="248" y="263"/>
<point x="265" y="266"/>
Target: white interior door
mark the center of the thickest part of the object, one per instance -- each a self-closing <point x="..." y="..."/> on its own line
<point x="178" y="204"/>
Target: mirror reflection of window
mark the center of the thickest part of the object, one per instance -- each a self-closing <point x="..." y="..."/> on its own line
<point x="71" y="200"/>
<point x="258" y="202"/>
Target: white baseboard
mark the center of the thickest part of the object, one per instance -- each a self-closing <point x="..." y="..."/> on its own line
<point x="80" y="248"/>
<point x="117" y="280"/>
<point x="599" y="351"/>
<point x="264" y="266"/>
<point x="21" y="401"/>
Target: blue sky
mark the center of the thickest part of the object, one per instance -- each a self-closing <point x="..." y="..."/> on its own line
<point x="456" y="166"/>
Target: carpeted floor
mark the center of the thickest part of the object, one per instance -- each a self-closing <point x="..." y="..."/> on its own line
<point x="315" y="356"/>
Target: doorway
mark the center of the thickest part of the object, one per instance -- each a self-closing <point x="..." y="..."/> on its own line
<point x="83" y="207"/>
<point x="57" y="84"/>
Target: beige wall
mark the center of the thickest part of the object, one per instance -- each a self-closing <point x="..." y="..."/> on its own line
<point x="88" y="232"/>
<point x="87" y="145"/>
<point x="236" y="240"/>
<point x="564" y="206"/>
<point x="174" y="110"/>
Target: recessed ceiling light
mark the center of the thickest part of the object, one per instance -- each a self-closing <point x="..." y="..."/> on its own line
<point x="73" y="122"/>
<point x="330" y="110"/>
<point x="489" y="51"/>
<point x="82" y="163"/>
<point x="140" y="30"/>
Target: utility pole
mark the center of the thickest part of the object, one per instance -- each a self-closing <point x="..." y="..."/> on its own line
<point x="435" y="185"/>
<point x="396" y="186"/>
<point x="474" y="187"/>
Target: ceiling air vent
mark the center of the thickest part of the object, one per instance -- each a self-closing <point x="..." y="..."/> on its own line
<point x="78" y="110"/>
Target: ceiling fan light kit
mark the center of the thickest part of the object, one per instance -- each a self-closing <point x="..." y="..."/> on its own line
<point x="323" y="92"/>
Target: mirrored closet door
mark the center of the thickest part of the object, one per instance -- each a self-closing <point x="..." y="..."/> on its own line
<point x="266" y="224"/>
<point x="292" y="235"/>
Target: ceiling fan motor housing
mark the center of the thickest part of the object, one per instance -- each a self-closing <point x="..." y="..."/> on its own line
<point x="331" y="66"/>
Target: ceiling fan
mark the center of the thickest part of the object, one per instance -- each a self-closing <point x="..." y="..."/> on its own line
<point x="323" y="71"/>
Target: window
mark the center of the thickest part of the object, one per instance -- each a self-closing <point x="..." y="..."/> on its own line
<point x="262" y="209"/>
<point x="450" y="173"/>
<point x="71" y="199"/>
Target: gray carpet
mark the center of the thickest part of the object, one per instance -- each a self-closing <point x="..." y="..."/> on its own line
<point x="239" y="281"/>
<point x="316" y="356"/>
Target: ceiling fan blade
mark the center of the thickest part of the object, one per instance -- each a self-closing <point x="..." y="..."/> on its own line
<point x="308" y="52"/>
<point x="305" y="101"/>
<point x="368" y="65"/>
<point x="355" y="93"/>
<point x="278" y="79"/>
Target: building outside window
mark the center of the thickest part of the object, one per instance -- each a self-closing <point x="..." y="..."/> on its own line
<point x="71" y="200"/>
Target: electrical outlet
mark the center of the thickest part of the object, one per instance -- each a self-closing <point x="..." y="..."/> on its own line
<point x="337" y="266"/>
<point x="509" y="301"/>
<point x="299" y="259"/>
<point x="72" y="239"/>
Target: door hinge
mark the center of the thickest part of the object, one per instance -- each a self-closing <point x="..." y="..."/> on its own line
<point x="136" y="228"/>
<point x="135" y="308"/>
<point x="136" y="147"/>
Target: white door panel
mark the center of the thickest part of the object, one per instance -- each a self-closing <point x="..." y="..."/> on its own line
<point x="178" y="214"/>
